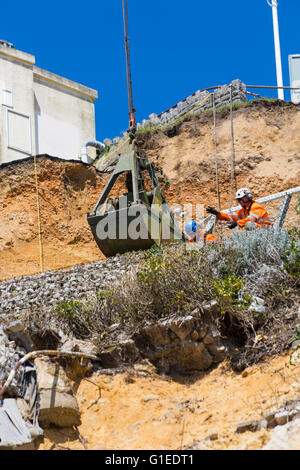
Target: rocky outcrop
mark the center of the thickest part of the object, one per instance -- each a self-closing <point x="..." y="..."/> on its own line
<point x="182" y="343"/>
<point x="282" y="416"/>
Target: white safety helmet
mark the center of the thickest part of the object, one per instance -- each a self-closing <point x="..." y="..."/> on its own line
<point x="243" y="192"/>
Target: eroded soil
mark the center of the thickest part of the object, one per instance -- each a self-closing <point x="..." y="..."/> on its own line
<point x="129" y="411"/>
<point x="267" y="156"/>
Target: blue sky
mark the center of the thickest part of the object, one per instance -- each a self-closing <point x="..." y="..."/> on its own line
<point x="176" y="48"/>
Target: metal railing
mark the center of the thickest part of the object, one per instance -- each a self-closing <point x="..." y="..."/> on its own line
<point x="286" y="197"/>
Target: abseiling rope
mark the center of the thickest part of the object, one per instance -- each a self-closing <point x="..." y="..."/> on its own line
<point x="233" y="152"/>
<point x="38" y="214"/>
<point x="216" y="154"/>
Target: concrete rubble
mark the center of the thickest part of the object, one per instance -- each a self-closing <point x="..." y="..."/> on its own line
<point x="57" y="405"/>
<point x="39" y="394"/>
<point x="280" y="417"/>
<point x="180" y="344"/>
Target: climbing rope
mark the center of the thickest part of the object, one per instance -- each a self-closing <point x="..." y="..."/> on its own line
<point x="233" y="185"/>
<point x="152" y="175"/>
<point x="216" y="155"/>
<point x="38" y="214"/>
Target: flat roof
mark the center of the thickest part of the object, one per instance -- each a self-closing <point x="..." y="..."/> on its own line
<point x="44" y="75"/>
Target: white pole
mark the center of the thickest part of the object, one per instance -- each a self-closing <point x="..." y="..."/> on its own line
<point x="274" y="5"/>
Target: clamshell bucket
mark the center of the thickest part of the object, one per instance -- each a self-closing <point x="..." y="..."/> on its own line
<point x="137" y="219"/>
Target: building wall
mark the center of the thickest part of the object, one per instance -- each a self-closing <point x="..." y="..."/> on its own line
<point x="64" y="117"/>
<point x="16" y="95"/>
<point x="41" y="112"/>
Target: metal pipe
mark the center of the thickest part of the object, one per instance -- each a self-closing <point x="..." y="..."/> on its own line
<point x="274" y="5"/>
<point x="272" y="87"/>
<point x="90" y="143"/>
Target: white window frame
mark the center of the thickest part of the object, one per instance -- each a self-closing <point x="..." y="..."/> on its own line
<point x="6" y="90"/>
<point x="30" y="132"/>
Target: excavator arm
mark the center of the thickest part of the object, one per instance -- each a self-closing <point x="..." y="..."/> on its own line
<point x="137" y="219"/>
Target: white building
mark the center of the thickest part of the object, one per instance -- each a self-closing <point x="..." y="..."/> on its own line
<point x="40" y="111"/>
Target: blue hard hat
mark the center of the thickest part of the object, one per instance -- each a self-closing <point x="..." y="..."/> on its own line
<point x="190" y="226"/>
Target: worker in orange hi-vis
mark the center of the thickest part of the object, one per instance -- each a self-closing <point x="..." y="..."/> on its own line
<point x="196" y="233"/>
<point x="252" y="215"/>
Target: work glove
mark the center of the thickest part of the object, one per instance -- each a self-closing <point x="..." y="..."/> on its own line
<point x="212" y="210"/>
<point x="232" y="225"/>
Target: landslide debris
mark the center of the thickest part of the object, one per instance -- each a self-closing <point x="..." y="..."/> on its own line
<point x="173" y="312"/>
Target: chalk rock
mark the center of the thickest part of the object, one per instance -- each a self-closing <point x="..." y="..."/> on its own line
<point x="285" y="437"/>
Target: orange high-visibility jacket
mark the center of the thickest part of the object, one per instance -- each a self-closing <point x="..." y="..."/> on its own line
<point x="209" y="238"/>
<point x="255" y="212"/>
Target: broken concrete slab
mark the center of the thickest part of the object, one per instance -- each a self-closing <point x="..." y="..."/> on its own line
<point x="57" y="405"/>
<point x="9" y="357"/>
<point x="15" y="433"/>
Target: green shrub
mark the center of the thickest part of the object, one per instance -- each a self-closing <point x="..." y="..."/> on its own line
<point x="292" y="260"/>
<point x="297" y="208"/>
<point x="231" y="290"/>
<point x="68" y="310"/>
<point x="73" y="317"/>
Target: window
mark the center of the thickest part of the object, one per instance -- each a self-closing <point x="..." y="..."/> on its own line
<point x="7" y="98"/>
<point x="19" y="132"/>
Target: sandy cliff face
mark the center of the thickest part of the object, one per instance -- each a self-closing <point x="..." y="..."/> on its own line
<point x="147" y="411"/>
<point x="67" y="191"/>
<point x="267" y="155"/>
<point x="266" y="149"/>
<point x="155" y="412"/>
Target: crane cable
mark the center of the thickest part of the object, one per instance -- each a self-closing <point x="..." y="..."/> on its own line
<point x="131" y="110"/>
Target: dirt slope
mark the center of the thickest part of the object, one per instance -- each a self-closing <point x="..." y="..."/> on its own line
<point x="266" y="148"/>
<point x="201" y="412"/>
<point x="185" y="410"/>
<point x="267" y="154"/>
<point x="67" y="191"/>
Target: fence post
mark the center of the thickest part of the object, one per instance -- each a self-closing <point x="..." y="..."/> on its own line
<point x="284" y="206"/>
